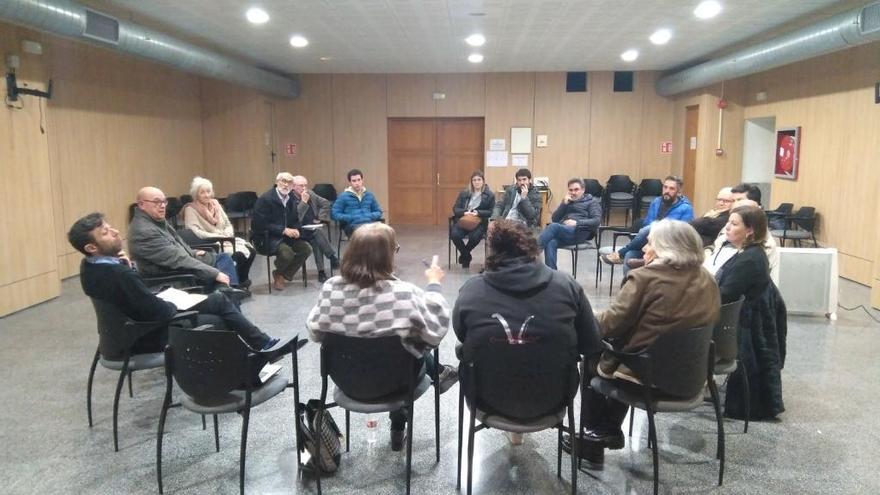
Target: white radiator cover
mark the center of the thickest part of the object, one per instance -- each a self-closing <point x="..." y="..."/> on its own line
<point x="808" y="280"/>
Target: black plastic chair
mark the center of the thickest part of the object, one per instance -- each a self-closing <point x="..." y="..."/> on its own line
<point x="117" y="334"/>
<point x="185" y="199"/>
<point x="172" y="210"/>
<point x="727" y="349"/>
<point x="326" y="191"/>
<point x="646" y="193"/>
<point x="673" y="372"/>
<point x="776" y="219"/>
<point x="616" y="233"/>
<point x="375" y="375"/>
<point x="619" y="193"/>
<point x="206" y="243"/>
<point x="215" y="370"/>
<point x="799" y="226"/>
<point x="594" y="188"/>
<point x="575" y="249"/>
<point x="522" y="386"/>
<point x="260" y="248"/>
<point x="239" y="206"/>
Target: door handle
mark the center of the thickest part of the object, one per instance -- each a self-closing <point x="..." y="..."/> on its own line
<point x="438" y="179"/>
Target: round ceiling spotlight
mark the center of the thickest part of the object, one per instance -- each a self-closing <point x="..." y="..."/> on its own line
<point x="661" y="36"/>
<point x="256" y="15"/>
<point x="475" y="40"/>
<point x="298" y="41"/>
<point x="475" y="58"/>
<point x="629" y="55"/>
<point x="707" y="9"/>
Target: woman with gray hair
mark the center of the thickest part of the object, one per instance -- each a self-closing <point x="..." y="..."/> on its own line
<point x="672" y="291"/>
<point x="206" y="219"/>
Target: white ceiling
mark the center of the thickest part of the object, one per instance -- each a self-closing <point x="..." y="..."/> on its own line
<point x="418" y="36"/>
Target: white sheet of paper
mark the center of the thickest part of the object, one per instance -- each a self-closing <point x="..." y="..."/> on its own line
<point x="520" y="139"/>
<point x="313" y="226"/>
<point x="268" y="370"/>
<point x="183" y="300"/>
<point x="519" y="160"/>
<point x="497" y="144"/>
<point x="496" y="158"/>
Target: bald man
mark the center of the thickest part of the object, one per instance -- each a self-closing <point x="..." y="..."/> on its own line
<point x="157" y="248"/>
<point x="713" y="222"/>
<point x="312" y="210"/>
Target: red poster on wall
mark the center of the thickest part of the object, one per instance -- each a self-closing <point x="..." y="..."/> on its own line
<point x="788" y="143"/>
<point x="665" y="147"/>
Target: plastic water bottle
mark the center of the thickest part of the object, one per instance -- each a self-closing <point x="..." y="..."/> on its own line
<point x="372" y="430"/>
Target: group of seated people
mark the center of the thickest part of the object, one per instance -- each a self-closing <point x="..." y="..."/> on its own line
<point x="690" y="267"/>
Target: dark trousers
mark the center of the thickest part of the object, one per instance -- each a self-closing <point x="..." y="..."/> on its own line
<point x="243" y="264"/>
<point x="458" y="236"/>
<point x="290" y="256"/>
<point x="597" y="410"/>
<point x="321" y="247"/>
<point x="398" y="417"/>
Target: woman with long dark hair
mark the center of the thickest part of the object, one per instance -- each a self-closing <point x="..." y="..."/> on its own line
<point x="471" y="213"/>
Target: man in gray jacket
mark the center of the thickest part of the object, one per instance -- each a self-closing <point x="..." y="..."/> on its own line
<point x="157" y="248"/>
<point x="575" y="221"/>
<point x="521" y="202"/>
<point x="312" y="210"/>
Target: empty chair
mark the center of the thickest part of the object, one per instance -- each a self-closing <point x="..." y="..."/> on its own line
<point x="648" y="190"/>
<point x="172" y="210"/>
<point x="798" y="227"/>
<point x="326" y="191"/>
<point x="239" y="206"/>
<point x="777" y="218"/>
<point x="727" y="349"/>
<point x="216" y="373"/>
<point x="619" y="193"/>
<point x="673" y="372"/>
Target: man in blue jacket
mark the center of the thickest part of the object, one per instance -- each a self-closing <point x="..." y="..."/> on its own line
<point x="355" y="206"/>
<point x="575" y="221"/>
<point x="670" y="205"/>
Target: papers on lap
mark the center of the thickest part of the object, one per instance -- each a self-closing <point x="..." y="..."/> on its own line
<point x="183" y="300"/>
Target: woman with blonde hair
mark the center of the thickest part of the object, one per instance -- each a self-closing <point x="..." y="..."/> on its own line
<point x="367" y="286"/>
<point x="206" y="219"/>
<point x="470" y="216"/>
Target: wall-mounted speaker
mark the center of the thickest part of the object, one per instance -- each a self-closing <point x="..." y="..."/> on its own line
<point x="576" y="82"/>
<point x="623" y="81"/>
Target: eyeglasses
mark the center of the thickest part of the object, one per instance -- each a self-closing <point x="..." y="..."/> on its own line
<point x="397" y="248"/>
<point x="157" y="202"/>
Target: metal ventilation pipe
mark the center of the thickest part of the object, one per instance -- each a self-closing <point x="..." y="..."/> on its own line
<point x="855" y="27"/>
<point x="72" y="20"/>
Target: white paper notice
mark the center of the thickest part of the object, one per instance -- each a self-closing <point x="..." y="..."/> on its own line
<point x="521" y="161"/>
<point x="497" y="144"/>
<point x="496" y="158"/>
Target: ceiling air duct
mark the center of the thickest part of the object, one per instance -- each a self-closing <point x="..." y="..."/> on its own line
<point x="851" y="28"/>
<point x="72" y="20"/>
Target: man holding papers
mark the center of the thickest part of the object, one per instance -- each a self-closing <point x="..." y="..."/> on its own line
<point x="106" y="274"/>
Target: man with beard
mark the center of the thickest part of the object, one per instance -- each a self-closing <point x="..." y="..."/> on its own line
<point x="670" y="205"/>
<point x="575" y="221"/>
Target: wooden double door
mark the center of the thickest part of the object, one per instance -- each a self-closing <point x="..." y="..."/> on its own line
<point x="429" y="162"/>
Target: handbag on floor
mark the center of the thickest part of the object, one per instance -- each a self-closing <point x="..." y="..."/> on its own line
<point x="327" y="433"/>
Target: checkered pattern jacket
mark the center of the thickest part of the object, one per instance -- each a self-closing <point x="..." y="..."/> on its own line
<point x="391" y="307"/>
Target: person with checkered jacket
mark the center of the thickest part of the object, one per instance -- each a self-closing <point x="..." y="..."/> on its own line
<point x="366" y="300"/>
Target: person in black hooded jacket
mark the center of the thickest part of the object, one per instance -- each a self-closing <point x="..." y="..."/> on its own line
<point x="517" y="294"/>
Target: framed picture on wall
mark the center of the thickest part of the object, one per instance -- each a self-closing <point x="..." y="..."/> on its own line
<point x="788" y="144"/>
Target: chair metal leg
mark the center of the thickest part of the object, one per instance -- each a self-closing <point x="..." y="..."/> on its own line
<point x="89" y="385"/>
<point x="216" y="434"/>
<point x="409" y="435"/>
<point x="632" y="414"/>
<point x="295" y="365"/>
<point x="347" y="429"/>
<point x="245" y="417"/>
<point x="204" y="424"/>
<point x="747" y="393"/>
<point x="574" y="448"/>
<point x="460" y="433"/>
<point x="574" y="263"/>
<point x="130" y="391"/>
<point x="116" y="403"/>
<point x="165" y="404"/>
<point x="559" y="449"/>
<point x="269" y="272"/>
<point x="437" y="409"/>
<point x="652" y="439"/>
<point x="713" y="390"/>
<point x="470" y="470"/>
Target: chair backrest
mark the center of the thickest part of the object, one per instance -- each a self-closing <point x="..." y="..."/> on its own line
<point x="173" y="208"/>
<point x="680" y="361"/>
<point x="367" y="368"/>
<point x="650" y="187"/>
<point x="241" y="201"/>
<point x="326" y="191"/>
<point x="593" y="187"/>
<point x="131" y="209"/>
<point x="190" y="238"/>
<point x="185" y="199"/>
<point x="805" y="218"/>
<point x="784" y="209"/>
<point x="206" y="364"/>
<point x="111" y="329"/>
<point x="521" y="380"/>
<point x="725" y="332"/>
<point x="620" y="183"/>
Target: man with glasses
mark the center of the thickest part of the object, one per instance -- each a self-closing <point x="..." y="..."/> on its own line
<point x="277" y="230"/>
<point x="575" y="221"/>
<point x="157" y="248"/>
<point x="312" y="210"/>
<point x="710" y="224"/>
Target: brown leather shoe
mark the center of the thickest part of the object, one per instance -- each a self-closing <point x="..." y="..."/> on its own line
<point x="635" y="262"/>
<point x="277" y="281"/>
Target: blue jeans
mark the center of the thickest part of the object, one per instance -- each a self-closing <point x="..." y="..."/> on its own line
<point x="634" y="248"/>
<point x="553" y="236"/>
<point x="225" y="264"/>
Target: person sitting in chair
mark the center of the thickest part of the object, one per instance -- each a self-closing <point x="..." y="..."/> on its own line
<point x="521" y="201"/>
<point x="470" y="216"/>
<point x="107" y="274"/>
<point x="575" y="221"/>
<point x="355" y="206"/>
<point x="312" y="210"/>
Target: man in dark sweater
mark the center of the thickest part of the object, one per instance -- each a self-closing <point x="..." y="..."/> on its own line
<point x="107" y="274"/>
<point x="575" y="221"/>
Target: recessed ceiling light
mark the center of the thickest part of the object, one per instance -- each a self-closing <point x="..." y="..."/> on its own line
<point x="475" y="40"/>
<point x="707" y="9"/>
<point x="475" y="58"/>
<point x="298" y="41"/>
<point x="324" y="59"/>
<point x="661" y="36"/>
<point x="257" y="15"/>
<point x="629" y="55"/>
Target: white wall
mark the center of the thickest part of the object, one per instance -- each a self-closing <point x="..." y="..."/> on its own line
<point x="759" y="145"/>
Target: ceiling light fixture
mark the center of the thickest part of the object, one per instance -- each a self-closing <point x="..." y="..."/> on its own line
<point x="256" y="15"/>
<point x="661" y="36"/>
<point x="629" y="55"/>
<point x="475" y="58"/>
<point x="707" y="9"/>
<point x="298" y="41"/>
<point x="324" y="59"/>
<point x="475" y="40"/>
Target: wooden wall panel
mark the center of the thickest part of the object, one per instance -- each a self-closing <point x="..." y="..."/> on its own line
<point x="656" y="127"/>
<point x="615" y="127"/>
<point x="307" y="121"/>
<point x="465" y="95"/>
<point x="410" y="95"/>
<point x="360" y="131"/>
<point x="565" y="119"/>
<point x="510" y="102"/>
